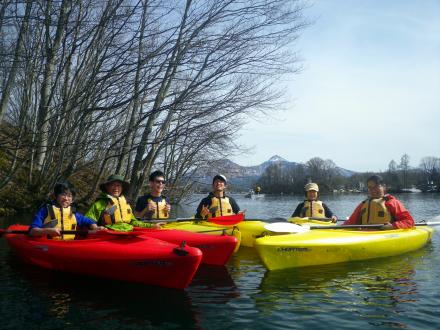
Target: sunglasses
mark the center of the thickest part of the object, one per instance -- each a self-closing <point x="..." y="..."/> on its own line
<point x="160" y="181"/>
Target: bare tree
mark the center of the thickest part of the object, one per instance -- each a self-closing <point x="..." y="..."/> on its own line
<point x="126" y="86"/>
<point x="404" y="166"/>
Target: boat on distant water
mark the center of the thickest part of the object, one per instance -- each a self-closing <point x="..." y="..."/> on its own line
<point x="252" y="194"/>
<point x="411" y="190"/>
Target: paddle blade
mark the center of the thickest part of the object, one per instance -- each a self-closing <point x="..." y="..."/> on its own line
<point x="228" y="220"/>
<point x="429" y="223"/>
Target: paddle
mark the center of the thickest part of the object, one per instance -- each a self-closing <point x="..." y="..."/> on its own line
<point x="225" y="220"/>
<point x="292" y="219"/>
<point x="283" y="227"/>
<point x="6" y="231"/>
<point x="314" y="218"/>
<point x="141" y="229"/>
<point x="80" y="232"/>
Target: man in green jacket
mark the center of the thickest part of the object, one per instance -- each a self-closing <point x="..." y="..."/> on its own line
<point x="112" y="210"/>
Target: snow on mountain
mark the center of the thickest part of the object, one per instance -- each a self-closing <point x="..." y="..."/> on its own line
<point x="276" y="158"/>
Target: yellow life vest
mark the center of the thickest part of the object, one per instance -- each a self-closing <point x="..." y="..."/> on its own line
<point x="219" y="207"/>
<point x="117" y="211"/>
<point x="374" y="211"/>
<point x="60" y="218"/>
<point x="160" y="212"/>
<point x="313" y="209"/>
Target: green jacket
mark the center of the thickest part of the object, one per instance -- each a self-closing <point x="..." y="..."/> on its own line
<point x="99" y="206"/>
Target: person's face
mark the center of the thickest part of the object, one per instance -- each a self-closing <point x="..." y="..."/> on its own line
<point x="65" y="199"/>
<point x="375" y="190"/>
<point x="114" y="188"/>
<point x="312" y="195"/>
<point x="219" y="185"/>
<point x="157" y="185"/>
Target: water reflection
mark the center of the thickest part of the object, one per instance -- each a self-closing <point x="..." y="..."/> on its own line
<point x="374" y="290"/>
<point x="212" y="285"/>
<point x="64" y="299"/>
<point x="247" y="268"/>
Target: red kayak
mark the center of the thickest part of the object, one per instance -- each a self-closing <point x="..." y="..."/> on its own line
<point x="126" y="257"/>
<point x="216" y="249"/>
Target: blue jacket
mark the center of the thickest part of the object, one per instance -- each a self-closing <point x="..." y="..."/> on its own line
<point x="42" y="213"/>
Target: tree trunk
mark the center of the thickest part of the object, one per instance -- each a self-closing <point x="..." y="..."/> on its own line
<point x="6" y="93"/>
<point x="51" y="50"/>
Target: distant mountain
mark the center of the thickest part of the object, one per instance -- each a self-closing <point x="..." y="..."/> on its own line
<point x="246" y="176"/>
<point x="276" y="160"/>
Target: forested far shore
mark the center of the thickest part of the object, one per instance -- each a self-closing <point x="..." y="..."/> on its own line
<point x="399" y="177"/>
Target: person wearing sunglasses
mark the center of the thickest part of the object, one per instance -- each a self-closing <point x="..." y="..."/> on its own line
<point x="153" y="205"/>
<point x="380" y="208"/>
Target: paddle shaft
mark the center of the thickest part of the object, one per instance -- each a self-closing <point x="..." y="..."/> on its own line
<point x="284" y="219"/>
<point x="378" y="226"/>
<point x="283" y="227"/>
<point x="171" y="220"/>
<point x="5" y="231"/>
<point x="227" y="220"/>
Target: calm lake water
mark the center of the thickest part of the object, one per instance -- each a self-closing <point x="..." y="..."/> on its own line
<point x="392" y="293"/>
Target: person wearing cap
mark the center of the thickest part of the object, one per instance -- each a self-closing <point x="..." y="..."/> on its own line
<point x="380" y="208"/>
<point x="111" y="209"/>
<point x="217" y="203"/>
<point x="153" y="205"/>
<point x="312" y="207"/>
<point x="59" y="215"/>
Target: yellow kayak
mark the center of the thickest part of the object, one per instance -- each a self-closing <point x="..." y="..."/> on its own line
<point x="207" y="228"/>
<point x="250" y="230"/>
<point x="320" y="247"/>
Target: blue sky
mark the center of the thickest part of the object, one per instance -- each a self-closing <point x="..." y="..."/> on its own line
<point x="369" y="91"/>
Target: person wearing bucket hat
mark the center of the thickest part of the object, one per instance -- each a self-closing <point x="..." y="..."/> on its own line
<point x="111" y="209"/>
<point x="217" y="203"/>
<point x="124" y="185"/>
<point x="312" y="207"/>
<point x="380" y="208"/>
